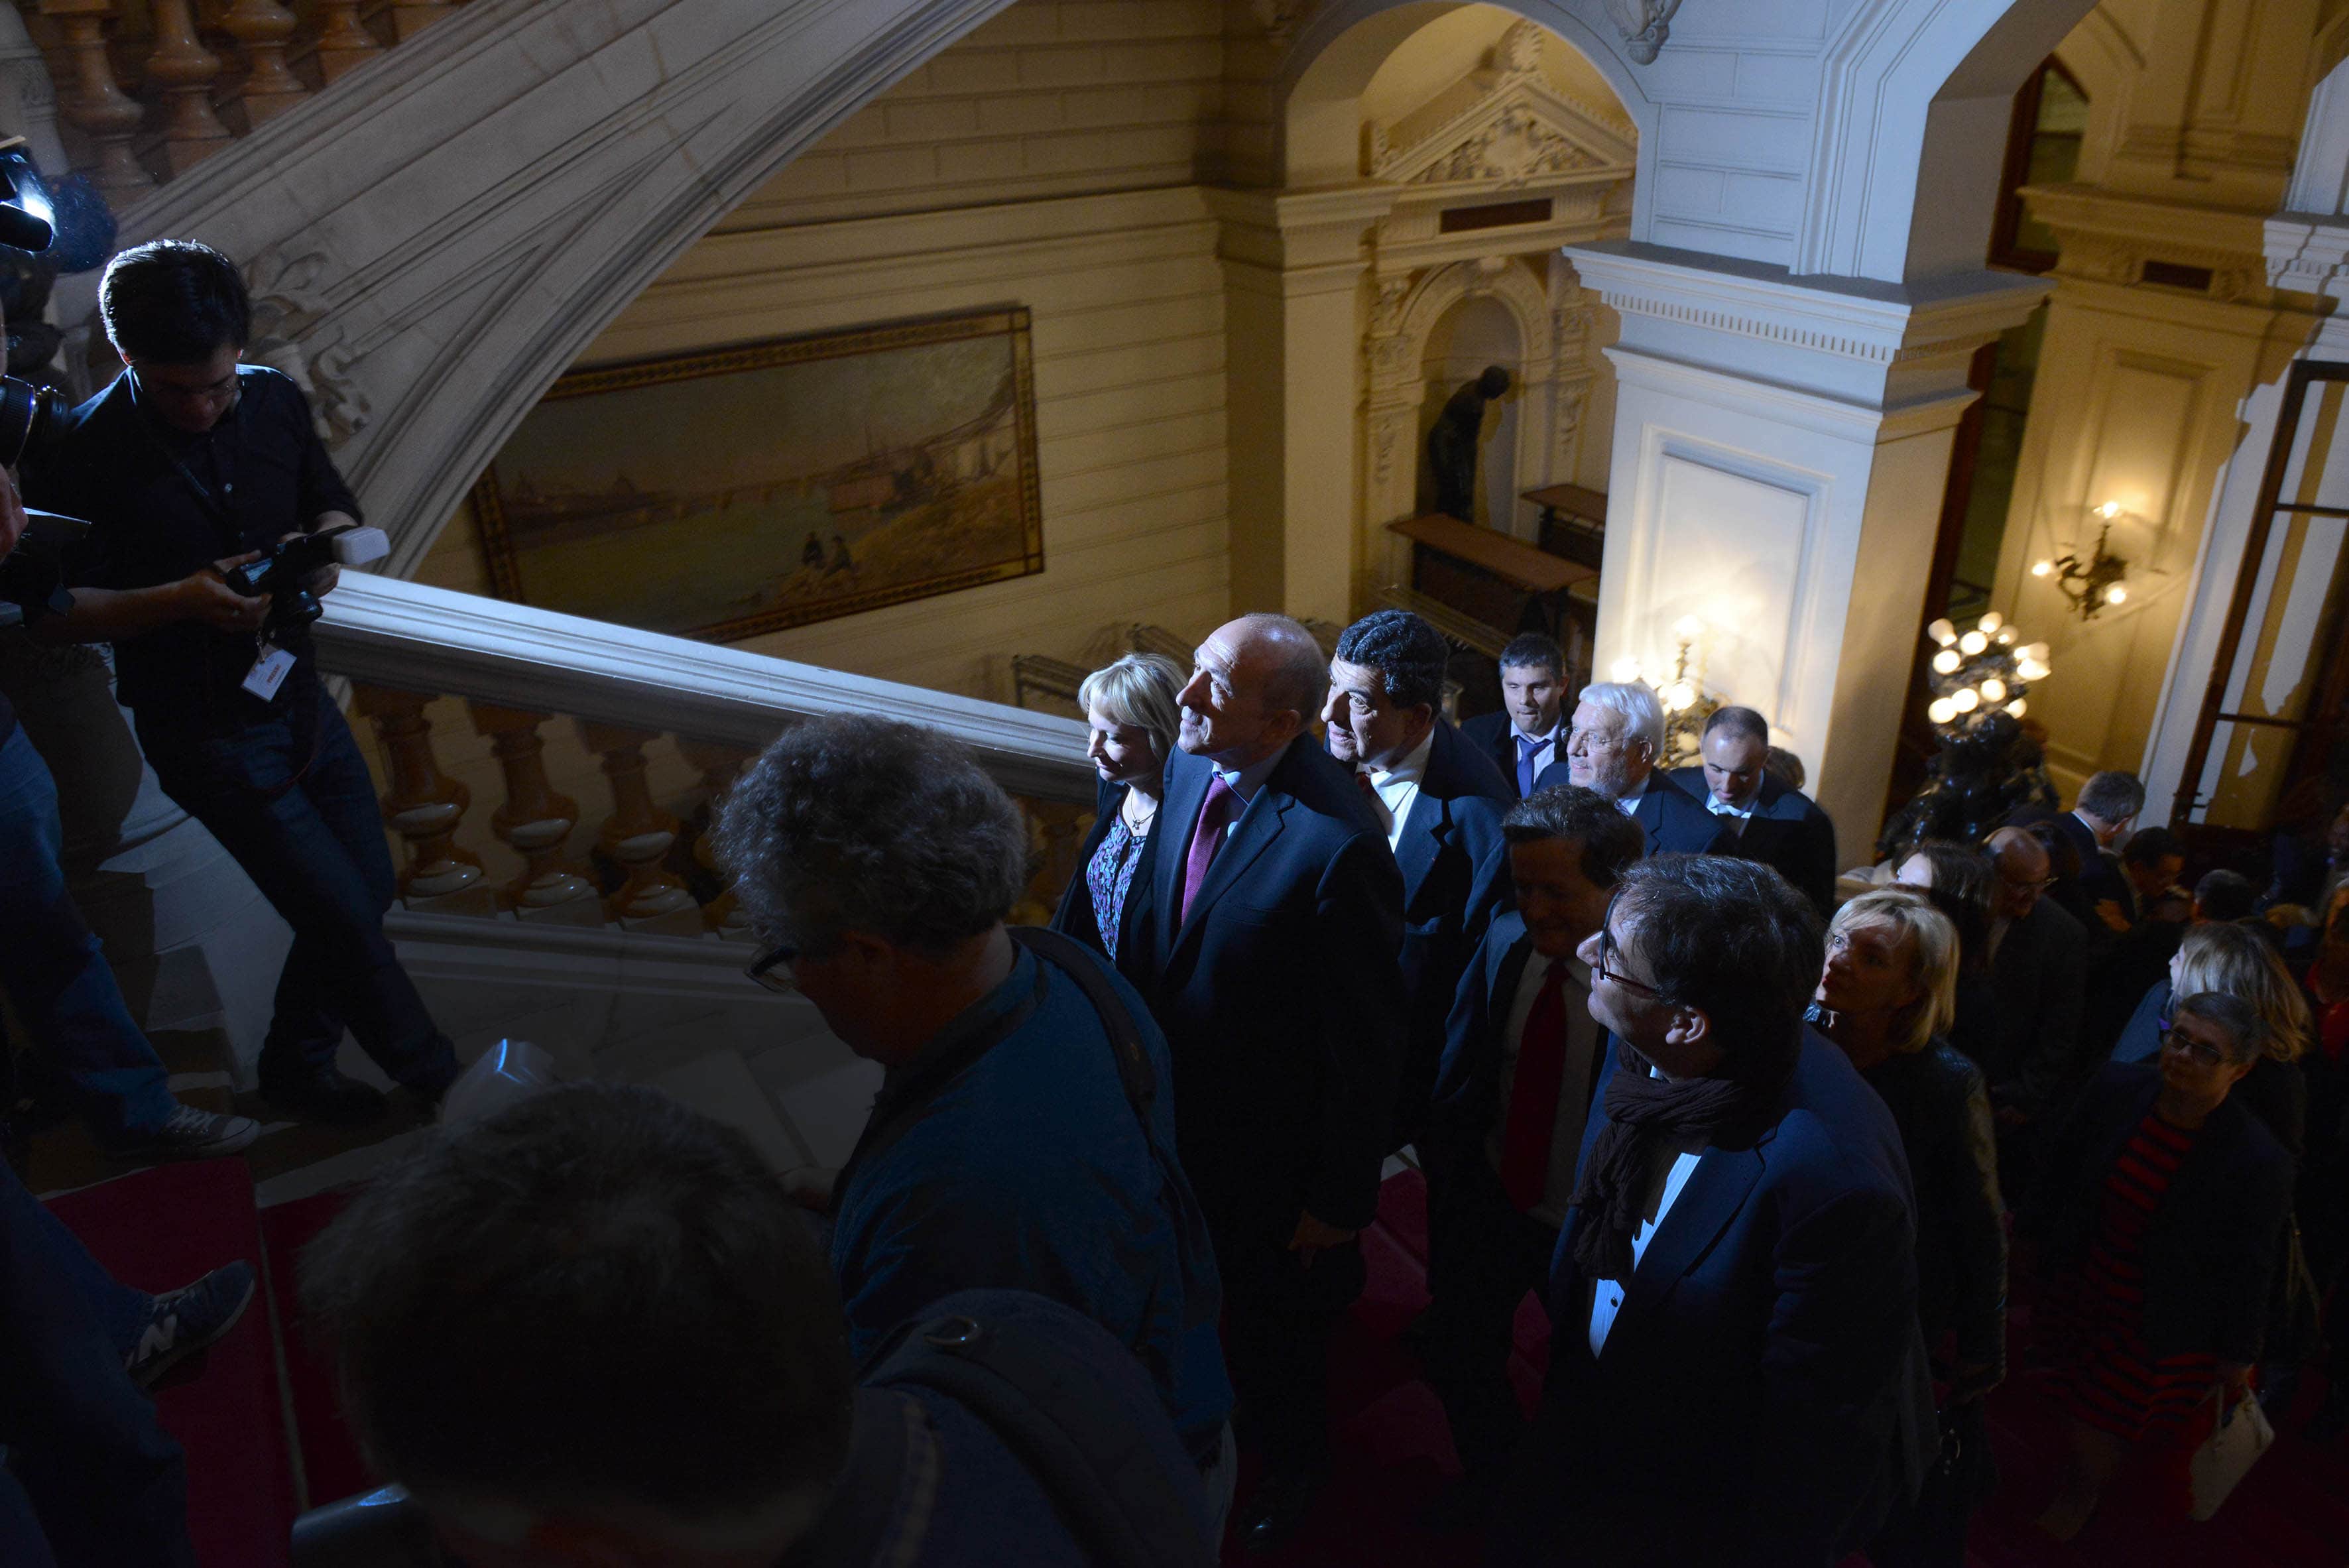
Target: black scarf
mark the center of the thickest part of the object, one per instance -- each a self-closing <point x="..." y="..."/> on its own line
<point x="1644" y="1113"/>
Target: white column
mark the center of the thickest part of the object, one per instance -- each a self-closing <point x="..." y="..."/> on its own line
<point x="1780" y="453"/>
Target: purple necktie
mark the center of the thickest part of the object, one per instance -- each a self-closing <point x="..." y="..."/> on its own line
<point x="1216" y="814"/>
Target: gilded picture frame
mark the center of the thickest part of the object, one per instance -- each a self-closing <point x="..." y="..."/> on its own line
<point x="730" y="492"/>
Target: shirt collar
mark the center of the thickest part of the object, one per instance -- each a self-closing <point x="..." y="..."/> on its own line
<point x="1411" y="769"/>
<point x="1720" y="808"/>
<point x="1549" y="739"/>
<point x="1249" y="779"/>
<point x="1630" y="802"/>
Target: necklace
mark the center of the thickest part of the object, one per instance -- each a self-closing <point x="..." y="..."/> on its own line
<point x="1134" y="825"/>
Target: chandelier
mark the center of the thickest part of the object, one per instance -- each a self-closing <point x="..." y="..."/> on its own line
<point x="1983" y="670"/>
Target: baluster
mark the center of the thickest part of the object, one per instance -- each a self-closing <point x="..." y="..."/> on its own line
<point x="262" y="28"/>
<point x="637" y="835"/>
<point x="719" y="767"/>
<point x="343" y="40"/>
<point x="185" y="71"/>
<point x="535" y="823"/>
<point x="97" y="105"/>
<point x="1056" y="832"/>
<point x="409" y="19"/>
<point x="425" y="807"/>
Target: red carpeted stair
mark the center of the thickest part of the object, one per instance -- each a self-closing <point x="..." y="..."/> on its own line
<point x="158" y="1229"/>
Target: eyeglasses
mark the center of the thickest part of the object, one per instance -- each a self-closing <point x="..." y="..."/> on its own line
<point x="2041" y="885"/>
<point x="2185" y="1043"/>
<point x="771" y="969"/>
<point x="1608" y="952"/>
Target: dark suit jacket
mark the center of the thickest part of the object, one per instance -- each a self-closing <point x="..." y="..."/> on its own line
<point x="1675" y="821"/>
<point x="1767" y="1344"/>
<point x="1455" y="879"/>
<point x="1495" y="737"/>
<point x="2038" y="980"/>
<point x="1281" y="993"/>
<point x="2215" y="1238"/>
<point x="1075" y="916"/>
<point x="1468" y="1080"/>
<point x="1787" y="832"/>
<point x="2100" y="878"/>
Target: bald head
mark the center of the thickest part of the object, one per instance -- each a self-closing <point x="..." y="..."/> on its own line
<point x="2022" y="864"/>
<point x="1253" y="683"/>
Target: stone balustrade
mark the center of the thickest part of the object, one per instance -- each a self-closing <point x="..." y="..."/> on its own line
<point x="149" y="88"/>
<point x="606" y="751"/>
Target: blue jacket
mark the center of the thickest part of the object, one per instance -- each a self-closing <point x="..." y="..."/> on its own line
<point x="1280" y="991"/>
<point x="1787" y="832"/>
<point x="1767" y="1344"/>
<point x="1493" y="737"/>
<point x="1029" y="1171"/>
<point x="1675" y="821"/>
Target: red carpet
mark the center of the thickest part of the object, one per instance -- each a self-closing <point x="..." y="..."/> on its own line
<point x="1393" y="1452"/>
<point x="157" y="1229"/>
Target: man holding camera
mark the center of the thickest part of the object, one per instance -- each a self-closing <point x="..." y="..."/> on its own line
<point x="190" y="465"/>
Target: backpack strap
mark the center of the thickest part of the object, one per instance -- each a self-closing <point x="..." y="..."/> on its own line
<point x="1134" y="1069"/>
<point x="1111" y="1489"/>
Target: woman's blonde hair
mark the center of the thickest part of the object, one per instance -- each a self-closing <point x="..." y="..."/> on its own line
<point x="1138" y="689"/>
<point x="1909" y="913"/>
<point x="2219" y="955"/>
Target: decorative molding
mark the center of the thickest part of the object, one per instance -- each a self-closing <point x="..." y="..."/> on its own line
<point x="1645" y="24"/>
<point x="1506" y="125"/>
<point x="414" y="637"/>
<point x="1279" y="18"/>
<point x="2308" y="254"/>
<point x="289" y="335"/>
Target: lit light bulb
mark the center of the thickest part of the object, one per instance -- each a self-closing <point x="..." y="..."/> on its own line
<point x="2030" y="670"/>
<point x="1991" y="621"/>
<point x="2033" y="651"/>
<point x="2109" y="510"/>
<point x="1941" y="710"/>
<point x="1993" y="690"/>
<point x="2005" y="638"/>
<point x="1624" y="671"/>
<point x="1965" y="700"/>
<point x="1942" y="633"/>
<point x="1946" y="662"/>
<point x="1678" y="696"/>
<point x="2042" y="568"/>
<point x="1688" y="628"/>
<point x="2016" y="708"/>
<point x="2116" y="594"/>
<point x="1972" y="643"/>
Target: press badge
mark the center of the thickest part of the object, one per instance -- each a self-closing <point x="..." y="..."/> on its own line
<point x="268" y="673"/>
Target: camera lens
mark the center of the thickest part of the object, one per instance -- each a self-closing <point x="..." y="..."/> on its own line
<point x="25" y="413"/>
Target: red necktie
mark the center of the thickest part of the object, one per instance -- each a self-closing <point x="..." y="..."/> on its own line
<point x="1216" y="814"/>
<point x="1533" y="1096"/>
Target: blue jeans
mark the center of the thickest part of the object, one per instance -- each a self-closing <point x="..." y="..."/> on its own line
<point x="90" y="1477"/>
<point x="54" y="971"/>
<point x="289" y="797"/>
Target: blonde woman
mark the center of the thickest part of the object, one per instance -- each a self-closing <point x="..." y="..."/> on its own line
<point x="1131" y="721"/>
<point x="2237" y="961"/>
<point x="1886" y="997"/>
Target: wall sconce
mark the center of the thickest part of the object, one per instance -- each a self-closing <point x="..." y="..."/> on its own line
<point x="1983" y="670"/>
<point x="2100" y="581"/>
<point x="1682" y="696"/>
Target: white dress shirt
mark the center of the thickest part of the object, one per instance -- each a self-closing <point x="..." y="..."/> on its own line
<point x="1246" y="782"/>
<point x="1629" y="803"/>
<point x="1573" y="1108"/>
<point x="1738" y="815"/>
<point x="1397" y="788"/>
<point x="1607" y="1295"/>
<point x="1543" y="754"/>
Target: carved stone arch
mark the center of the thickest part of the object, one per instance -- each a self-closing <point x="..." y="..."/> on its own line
<point x="1508" y="282"/>
<point x="485" y="198"/>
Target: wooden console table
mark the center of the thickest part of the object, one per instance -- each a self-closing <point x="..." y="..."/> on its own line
<point x="1490" y="577"/>
<point x="1573" y="521"/>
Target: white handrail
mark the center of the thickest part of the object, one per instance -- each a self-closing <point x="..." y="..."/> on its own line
<point x="414" y="637"/>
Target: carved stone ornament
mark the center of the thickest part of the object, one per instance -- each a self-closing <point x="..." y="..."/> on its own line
<point x="1645" y="24"/>
<point x="1515" y="148"/>
<point x="287" y="312"/>
<point x="1279" y="18"/>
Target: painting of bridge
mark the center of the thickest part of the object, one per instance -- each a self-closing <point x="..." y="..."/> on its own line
<point x="726" y="493"/>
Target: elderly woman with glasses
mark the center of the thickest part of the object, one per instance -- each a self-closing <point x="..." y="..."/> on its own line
<point x="2239" y="961"/>
<point x="2157" y="1224"/>
<point x="1886" y="997"/>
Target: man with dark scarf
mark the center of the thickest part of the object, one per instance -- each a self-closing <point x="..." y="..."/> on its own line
<point x="1735" y="1373"/>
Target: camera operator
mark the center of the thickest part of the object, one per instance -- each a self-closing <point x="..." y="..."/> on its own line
<point x="189" y="464"/>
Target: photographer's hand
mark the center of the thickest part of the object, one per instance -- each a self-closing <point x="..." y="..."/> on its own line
<point x="205" y="597"/>
<point x="322" y="582"/>
<point x="111" y="614"/>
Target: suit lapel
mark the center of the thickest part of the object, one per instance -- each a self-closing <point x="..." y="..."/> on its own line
<point x="1423" y="832"/>
<point x="1187" y="792"/>
<point x="1649" y="812"/>
<point x="1259" y="824"/>
<point x="1716" y="1190"/>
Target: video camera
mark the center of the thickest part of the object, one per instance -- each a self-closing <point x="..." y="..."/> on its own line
<point x="32" y="575"/>
<point x="282" y="573"/>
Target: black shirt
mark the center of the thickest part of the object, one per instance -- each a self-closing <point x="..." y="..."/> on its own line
<point x="165" y="505"/>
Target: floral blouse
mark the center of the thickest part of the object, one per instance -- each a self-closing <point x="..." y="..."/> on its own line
<point x="1109" y="875"/>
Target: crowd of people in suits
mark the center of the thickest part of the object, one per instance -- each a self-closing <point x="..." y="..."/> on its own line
<point x="1747" y="1131"/>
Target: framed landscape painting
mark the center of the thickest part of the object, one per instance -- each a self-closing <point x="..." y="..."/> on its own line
<point x="723" y="494"/>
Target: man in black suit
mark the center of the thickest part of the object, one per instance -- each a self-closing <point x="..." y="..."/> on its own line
<point x="1521" y="1060"/>
<point x="2107" y="808"/>
<point x="2038" y="975"/>
<point x="1441" y="805"/>
<point x="1273" y="967"/>
<point x="1736" y="1375"/>
<point x="1528" y="733"/>
<point x="1758" y="816"/>
<point x="1612" y="747"/>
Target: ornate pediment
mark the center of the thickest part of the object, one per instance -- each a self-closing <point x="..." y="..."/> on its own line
<point x="1503" y="126"/>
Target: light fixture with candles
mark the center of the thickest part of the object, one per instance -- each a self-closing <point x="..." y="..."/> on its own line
<point x="1983" y="670"/>
<point x="1682" y="696"/>
<point x="2098" y="583"/>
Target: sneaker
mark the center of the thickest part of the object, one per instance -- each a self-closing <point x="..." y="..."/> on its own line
<point x="188" y="1133"/>
<point x="327" y="1094"/>
<point x="183" y="1321"/>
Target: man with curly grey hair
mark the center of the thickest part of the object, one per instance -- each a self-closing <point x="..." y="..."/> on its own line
<point x="1024" y="1134"/>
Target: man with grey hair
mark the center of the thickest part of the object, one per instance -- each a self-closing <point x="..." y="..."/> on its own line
<point x="1024" y="1134"/>
<point x="1613" y="744"/>
<point x="2099" y="821"/>
<point x="1276" y="923"/>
